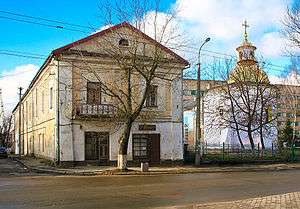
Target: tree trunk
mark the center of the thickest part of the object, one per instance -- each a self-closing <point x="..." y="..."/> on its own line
<point x="239" y="137"/>
<point x="123" y="146"/>
<point x="262" y="138"/>
<point x="251" y="140"/>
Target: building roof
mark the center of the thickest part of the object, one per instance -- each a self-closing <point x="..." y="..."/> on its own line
<point x="60" y="50"/>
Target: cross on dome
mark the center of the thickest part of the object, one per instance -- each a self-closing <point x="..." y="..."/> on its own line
<point x="245" y="32"/>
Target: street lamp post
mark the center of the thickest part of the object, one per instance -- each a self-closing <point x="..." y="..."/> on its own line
<point x="198" y="113"/>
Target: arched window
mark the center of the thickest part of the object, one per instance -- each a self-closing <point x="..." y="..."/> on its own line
<point x="123" y="42"/>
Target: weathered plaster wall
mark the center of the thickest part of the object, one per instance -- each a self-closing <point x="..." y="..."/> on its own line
<point x="171" y="146"/>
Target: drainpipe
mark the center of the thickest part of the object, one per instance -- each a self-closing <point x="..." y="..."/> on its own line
<point x="57" y="117"/>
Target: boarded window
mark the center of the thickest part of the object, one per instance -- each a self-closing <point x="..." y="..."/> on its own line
<point x="151" y="100"/>
<point x="93" y="93"/>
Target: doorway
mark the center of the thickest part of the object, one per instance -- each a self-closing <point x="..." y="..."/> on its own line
<point x="146" y="147"/>
<point x="97" y="147"/>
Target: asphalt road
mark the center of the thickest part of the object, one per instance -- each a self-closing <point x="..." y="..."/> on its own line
<point x="9" y="167"/>
<point x="140" y="191"/>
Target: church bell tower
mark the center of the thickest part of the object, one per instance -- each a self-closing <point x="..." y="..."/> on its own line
<point x="246" y="55"/>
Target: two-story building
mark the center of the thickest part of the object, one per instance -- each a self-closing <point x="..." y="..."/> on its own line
<point x="69" y="114"/>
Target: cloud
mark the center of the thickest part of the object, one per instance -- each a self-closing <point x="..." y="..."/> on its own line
<point x="222" y="21"/>
<point x="272" y="45"/>
<point x="10" y="80"/>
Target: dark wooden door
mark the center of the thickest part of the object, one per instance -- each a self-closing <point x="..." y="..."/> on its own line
<point x="97" y="147"/>
<point x="146" y="147"/>
<point x="91" y="146"/>
<point x="154" y="144"/>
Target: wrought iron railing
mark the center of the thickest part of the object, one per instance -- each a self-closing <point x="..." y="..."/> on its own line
<point x="96" y="110"/>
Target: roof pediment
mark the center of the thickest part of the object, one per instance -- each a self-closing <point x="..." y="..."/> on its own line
<point x="110" y="37"/>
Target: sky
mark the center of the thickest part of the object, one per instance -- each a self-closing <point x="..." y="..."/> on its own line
<point x="221" y="20"/>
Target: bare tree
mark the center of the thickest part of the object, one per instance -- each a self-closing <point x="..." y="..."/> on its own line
<point x="131" y="67"/>
<point x="5" y="129"/>
<point x="291" y="23"/>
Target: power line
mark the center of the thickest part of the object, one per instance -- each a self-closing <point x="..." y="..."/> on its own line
<point x="29" y="53"/>
<point x="45" y="19"/>
<point x="22" y="55"/>
<point x="42" y="24"/>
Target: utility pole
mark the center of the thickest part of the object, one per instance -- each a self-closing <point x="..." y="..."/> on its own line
<point x="198" y="113"/>
<point x="20" y="106"/>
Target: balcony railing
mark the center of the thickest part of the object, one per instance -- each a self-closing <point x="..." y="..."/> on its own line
<point x="96" y="110"/>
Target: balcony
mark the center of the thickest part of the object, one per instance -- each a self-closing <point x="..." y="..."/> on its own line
<point x="96" y="111"/>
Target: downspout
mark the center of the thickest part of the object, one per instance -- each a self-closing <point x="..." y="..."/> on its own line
<point x="57" y="117"/>
<point x="182" y="108"/>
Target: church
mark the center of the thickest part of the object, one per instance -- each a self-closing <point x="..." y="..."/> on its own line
<point x="241" y="111"/>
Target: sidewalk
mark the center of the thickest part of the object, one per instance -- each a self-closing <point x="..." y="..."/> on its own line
<point x="42" y="166"/>
<point x="282" y="201"/>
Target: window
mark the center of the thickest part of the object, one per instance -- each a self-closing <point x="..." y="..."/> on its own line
<point x="140" y="147"/>
<point x="36" y="103"/>
<point x="123" y="42"/>
<point x="26" y="112"/>
<point x="151" y="100"/>
<point x="40" y="141"/>
<point x="43" y="101"/>
<point x="43" y="140"/>
<point x="50" y="98"/>
<point x="32" y="105"/>
<point x="194" y="92"/>
<point x="93" y="93"/>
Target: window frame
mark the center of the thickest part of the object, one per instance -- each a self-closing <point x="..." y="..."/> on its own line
<point x="140" y="146"/>
<point x="123" y="42"/>
<point x="90" y="90"/>
<point x="149" y="102"/>
<point x="51" y="98"/>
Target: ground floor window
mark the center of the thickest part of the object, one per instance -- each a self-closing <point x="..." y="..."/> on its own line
<point x="140" y="147"/>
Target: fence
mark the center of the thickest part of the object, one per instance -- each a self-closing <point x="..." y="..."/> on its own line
<point x="216" y="153"/>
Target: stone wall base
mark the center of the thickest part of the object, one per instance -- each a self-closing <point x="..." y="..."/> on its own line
<point x="131" y="163"/>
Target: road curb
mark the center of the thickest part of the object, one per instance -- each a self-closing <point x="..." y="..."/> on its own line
<point x="153" y="173"/>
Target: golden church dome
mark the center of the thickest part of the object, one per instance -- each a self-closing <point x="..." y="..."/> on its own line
<point x="247" y="68"/>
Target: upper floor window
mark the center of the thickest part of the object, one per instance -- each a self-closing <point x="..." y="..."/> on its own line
<point x="51" y="98"/>
<point x="36" y="103"/>
<point x="123" y="42"/>
<point x="93" y="93"/>
<point x="43" y="101"/>
<point x="151" y="100"/>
